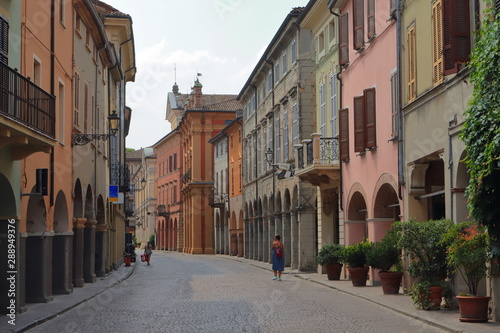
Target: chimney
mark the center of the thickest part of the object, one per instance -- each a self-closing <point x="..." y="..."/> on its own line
<point x="197" y="94"/>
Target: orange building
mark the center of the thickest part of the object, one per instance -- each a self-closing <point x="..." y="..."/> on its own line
<point x="200" y="122"/>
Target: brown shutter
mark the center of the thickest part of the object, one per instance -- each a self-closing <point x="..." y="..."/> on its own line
<point x="344" y="39"/>
<point x="437" y="45"/>
<point x="344" y="134"/>
<point x="4" y="41"/>
<point x="412" y="65"/>
<point x="359" y="124"/>
<point x="370" y="118"/>
<point x="359" y="26"/>
<point x="456" y="34"/>
<point x="371" y="18"/>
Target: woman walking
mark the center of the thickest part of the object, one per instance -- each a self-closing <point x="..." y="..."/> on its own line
<point x="148" y="252"/>
<point x="278" y="257"/>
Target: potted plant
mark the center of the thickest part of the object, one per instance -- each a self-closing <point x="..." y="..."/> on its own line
<point x="423" y="243"/>
<point x="152" y="241"/>
<point x="468" y="253"/>
<point x="385" y="255"/>
<point x="330" y="256"/>
<point x="355" y="259"/>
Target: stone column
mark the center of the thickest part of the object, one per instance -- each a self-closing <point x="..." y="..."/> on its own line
<point x="62" y="254"/>
<point x="295" y="241"/>
<point x="287" y="239"/>
<point x="101" y="245"/>
<point x="260" y="240"/>
<point x="307" y="240"/>
<point x="247" y="238"/>
<point x="89" y="252"/>
<point x="78" y="236"/>
<point x="39" y="267"/>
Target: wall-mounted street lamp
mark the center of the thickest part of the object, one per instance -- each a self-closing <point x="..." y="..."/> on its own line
<point x="270" y="157"/>
<point x="143" y="186"/>
<point x="83" y="138"/>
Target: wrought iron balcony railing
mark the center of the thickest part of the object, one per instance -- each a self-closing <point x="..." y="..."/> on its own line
<point x="329" y="150"/>
<point x="217" y="199"/>
<point x="25" y="102"/>
<point x="318" y="151"/>
<point x="120" y="175"/>
<point x="162" y="210"/>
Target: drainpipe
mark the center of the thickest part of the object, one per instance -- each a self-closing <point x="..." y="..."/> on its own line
<point x="401" y="177"/>
<point x="341" y="191"/>
<point x="52" y="89"/>
<point x="452" y="123"/>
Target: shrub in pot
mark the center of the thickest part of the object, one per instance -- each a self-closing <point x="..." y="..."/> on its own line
<point x="468" y="252"/>
<point x="385" y="255"/>
<point x="355" y="259"/>
<point x="424" y="244"/>
<point x="330" y="256"/>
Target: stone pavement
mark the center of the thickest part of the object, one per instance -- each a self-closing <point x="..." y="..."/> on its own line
<point x="443" y="319"/>
<point x="39" y="312"/>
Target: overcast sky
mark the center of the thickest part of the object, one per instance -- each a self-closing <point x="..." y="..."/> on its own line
<point x="221" y="39"/>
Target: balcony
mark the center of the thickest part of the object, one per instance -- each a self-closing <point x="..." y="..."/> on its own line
<point x="318" y="161"/>
<point x="27" y="114"/>
<point x="162" y="210"/>
<point x="217" y="200"/>
<point x="120" y="175"/>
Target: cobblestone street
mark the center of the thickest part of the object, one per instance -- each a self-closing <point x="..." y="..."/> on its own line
<point x="185" y="293"/>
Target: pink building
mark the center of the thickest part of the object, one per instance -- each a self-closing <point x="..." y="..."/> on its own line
<point x="368" y="118"/>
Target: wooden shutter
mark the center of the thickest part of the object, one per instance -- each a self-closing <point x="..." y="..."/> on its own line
<point x="344" y="134"/>
<point x="359" y="124"/>
<point x="394" y="103"/>
<point x="437" y="45"/>
<point x="358" y="24"/>
<point x="344" y="39"/>
<point x="456" y="34"/>
<point x="412" y="65"/>
<point x="4" y="41"/>
<point x="370" y="118"/>
<point x="371" y="18"/>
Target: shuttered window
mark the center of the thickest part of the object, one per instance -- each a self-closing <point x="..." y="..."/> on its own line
<point x="359" y="124"/>
<point x="344" y="39"/>
<point x="394" y="103"/>
<point x="456" y="34"/>
<point x="371" y="18"/>
<point x="344" y="134"/>
<point x="286" y="137"/>
<point x="437" y="45"/>
<point x="295" y="129"/>
<point x="358" y="24"/>
<point x="412" y="65"/>
<point x="370" y="118"/>
<point x="4" y="41"/>
<point x="333" y="105"/>
<point x="277" y="134"/>
<point x="322" y="102"/>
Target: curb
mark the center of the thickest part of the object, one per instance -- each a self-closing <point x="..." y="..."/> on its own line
<point x="55" y="314"/>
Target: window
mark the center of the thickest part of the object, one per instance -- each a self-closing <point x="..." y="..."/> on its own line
<point x="412" y="65"/>
<point x="170" y="163"/>
<point x="358" y="24"/>
<point x="76" y="83"/>
<point x="284" y="61"/>
<point x="394" y="103"/>
<point x="37" y="71"/>
<point x="60" y="112"/>
<point x="321" y="43"/>
<point x="174" y="192"/>
<point x="333" y="105"/>
<point x="269" y="81"/>
<point x="456" y="34"/>
<point x="276" y="72"/>
<point x="285" y="135"/>
<point x="331" y="31"/>
<point x="85" y="107"/>
<point x="259" y="164"/>
<point x="295" y="129"/>
<point x="371" y="18"/>
<point x="4" y="41"/>
<point x="437" y="45"/>
<point x="175" y="161"/>
<point x="61" y="11"/>
<point x="294" y="52"/>
<point x="78" y="26"/>
<point x="277" y="153"/>
<point x="344" y="39"/>
<point x="88" y="40"/>
<point x="322" y="103"/>
<point x="271" y="135"/>
<point x="364" y="121"/>
<point x="264" y="143"/>
<point x="344" y="134"/>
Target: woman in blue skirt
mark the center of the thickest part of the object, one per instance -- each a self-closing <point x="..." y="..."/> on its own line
<point x="278" y="257"/>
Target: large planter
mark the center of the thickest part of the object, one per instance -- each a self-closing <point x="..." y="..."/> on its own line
<point x="473" y="308"/>
<point x="359" y="275"/>
<point x="127" y="261"/>
<point x="390" y="282"/>
<point x="333" y="271"/>
<point x="435" y="296"/>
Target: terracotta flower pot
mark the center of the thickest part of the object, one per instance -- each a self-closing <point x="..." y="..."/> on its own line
<point x="435" y="296"/>
<point x="390" y="282"/>
<point x="473" y="308"/>
<point x="359" y="275"/>
<point x="127" y="261"/>
<point x="333" y="271"/>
